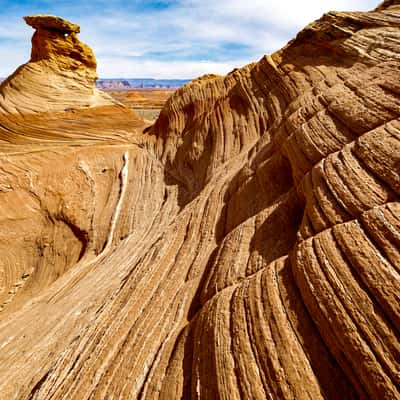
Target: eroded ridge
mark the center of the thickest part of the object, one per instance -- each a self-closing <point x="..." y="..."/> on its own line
<point x="245" y="247"/>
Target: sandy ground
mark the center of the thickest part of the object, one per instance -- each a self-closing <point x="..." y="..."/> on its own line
<point x="145" y="102"/>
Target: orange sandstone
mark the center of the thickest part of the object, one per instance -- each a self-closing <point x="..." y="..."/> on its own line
<point x="245" y="246"/>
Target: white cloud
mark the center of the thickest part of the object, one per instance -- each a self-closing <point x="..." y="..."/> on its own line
<point x="123" y="68"/>
<point x="168" y="43"/>
<point x="283" y="14"/>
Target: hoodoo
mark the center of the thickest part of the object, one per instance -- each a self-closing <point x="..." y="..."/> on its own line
<point x="245" y="246"/>
<point x="60" y="75"/>
<point x="56" y="39"/>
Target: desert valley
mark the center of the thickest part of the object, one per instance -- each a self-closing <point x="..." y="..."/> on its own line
<point x="146" y="103"/>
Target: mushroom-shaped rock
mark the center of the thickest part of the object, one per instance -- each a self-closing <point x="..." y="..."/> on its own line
<point x="60" y="75"/>
<point x="56" y="39"/>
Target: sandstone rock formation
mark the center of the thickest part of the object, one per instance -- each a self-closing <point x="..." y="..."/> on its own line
<point x="60" y="75"/>
<point x="245" y="246"/>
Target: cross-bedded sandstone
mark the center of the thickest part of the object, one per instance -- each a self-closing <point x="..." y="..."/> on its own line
<point x="245" y="246"/>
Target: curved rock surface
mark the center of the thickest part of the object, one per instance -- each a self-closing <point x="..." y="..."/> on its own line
<point x="245" y="246"/>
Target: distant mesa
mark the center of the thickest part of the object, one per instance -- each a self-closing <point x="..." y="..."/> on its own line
<point x="140" y="83"/>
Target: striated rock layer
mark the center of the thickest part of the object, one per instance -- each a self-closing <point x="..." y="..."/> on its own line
<point x="245" y="246"/>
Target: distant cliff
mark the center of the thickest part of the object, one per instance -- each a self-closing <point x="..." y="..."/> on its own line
<point x="121" y="84"/>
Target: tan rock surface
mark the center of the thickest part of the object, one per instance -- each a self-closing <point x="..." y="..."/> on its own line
<point x="245" y="246"/>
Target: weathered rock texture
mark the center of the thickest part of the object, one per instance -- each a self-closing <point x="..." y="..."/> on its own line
<point x="246" y="246"/>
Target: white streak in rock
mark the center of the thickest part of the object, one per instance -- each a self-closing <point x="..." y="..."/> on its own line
<point x="124" y="183"/>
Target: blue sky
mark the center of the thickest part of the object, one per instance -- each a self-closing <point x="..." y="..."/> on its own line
<point x="168" y="38"/>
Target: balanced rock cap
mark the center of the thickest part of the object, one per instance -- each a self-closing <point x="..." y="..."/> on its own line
<point x="51" y="22"/>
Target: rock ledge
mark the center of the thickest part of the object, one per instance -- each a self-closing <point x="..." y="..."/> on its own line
<point x="51" y="22"/>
